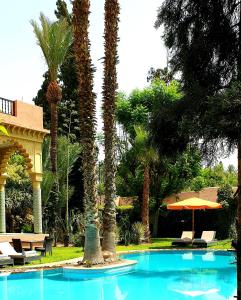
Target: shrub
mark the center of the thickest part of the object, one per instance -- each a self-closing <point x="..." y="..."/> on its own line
<point x="226" y="216"/>
<point x="233" y="232"/>
<point x="78" y="240"/>
<point x="124" y="209"/>
<point x="137" y="233"/>
<point x="125" y="230"/>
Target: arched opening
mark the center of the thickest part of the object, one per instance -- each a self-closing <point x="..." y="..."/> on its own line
<point x="18" y="196"/>
<point x="24" y="199"/>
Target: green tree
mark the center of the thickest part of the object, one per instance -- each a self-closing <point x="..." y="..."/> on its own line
<point x="40" y="100"/>
<point x="146" y="155"/>
<point x="68" y="107"/>
<point x="65" y="166"/>
<point x="19" y="213"/>
<point x="161" y="74"/>
<point x="215" y="176"/>
<point x="205" y="42"/>
<point x="92" y="252"/>
<point x="62" y="11"/>
<point x="193" y="32"/>
<point x="174" y="168"/>
<point x="112" y="10"/>
<point x="227" y="215"/>
<point x="54" y="39"/>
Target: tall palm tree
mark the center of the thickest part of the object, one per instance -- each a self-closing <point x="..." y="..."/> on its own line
<point x="92" y="251"/>
<point x="54" y="39"/>
<point x="112" y="10"/>
<point x="146" y="155"/>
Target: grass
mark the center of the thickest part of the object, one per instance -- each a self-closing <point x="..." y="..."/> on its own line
<point x="166" y="243"/>
<point x="155" y="244"/>
<point x="61" y="253"/>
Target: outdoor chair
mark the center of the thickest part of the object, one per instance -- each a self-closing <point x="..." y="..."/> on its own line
<point x="18" y="257"/>
<point x="17" y="245"/>
<point x="207" y="238"/>
<point x="47" y="246"/>
<point x="5" y="260"/>
<point x="185" y="239"/>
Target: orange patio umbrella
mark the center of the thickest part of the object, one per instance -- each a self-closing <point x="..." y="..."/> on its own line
<point x="194" y="204"/>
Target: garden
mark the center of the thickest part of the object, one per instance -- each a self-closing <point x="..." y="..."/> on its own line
<point x="105" y="193"/>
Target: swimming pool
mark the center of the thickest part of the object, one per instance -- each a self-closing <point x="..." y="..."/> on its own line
<point x="161" y="275"/>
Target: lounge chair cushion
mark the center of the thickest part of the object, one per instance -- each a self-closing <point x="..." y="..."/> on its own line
<point x="185" y="239"/>
<point x="187" y="235"/>
<point x="7" y="249"/>
<point x="30" y="253"/>
<point x="2" y="256"/>
<point x="207" y="237"/>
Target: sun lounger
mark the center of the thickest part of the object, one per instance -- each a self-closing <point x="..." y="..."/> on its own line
<point x="26" y="256"/>
<point x="207" y="238"/>
<point x="6" y="260"/>
<point x="185" y="239"/>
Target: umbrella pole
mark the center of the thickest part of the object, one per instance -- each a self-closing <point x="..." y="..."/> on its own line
<point x="193" y="223"/>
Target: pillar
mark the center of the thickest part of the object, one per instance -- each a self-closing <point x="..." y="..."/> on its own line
<point x="2" y="205"/>
<point x="37" y="204"/>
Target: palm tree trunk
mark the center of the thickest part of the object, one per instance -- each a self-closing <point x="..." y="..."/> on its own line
<point x="53" y="133"/>
<point x="239" y="225"/>
<point x="54" y="96"/>
<point x="145" y="203"/>
<point x="109" y="96"/>
<point x="92" y="251"/>
<point x="156" y="222"/>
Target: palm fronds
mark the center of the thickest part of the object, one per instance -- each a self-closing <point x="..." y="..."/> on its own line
<point x="54" y="39"/>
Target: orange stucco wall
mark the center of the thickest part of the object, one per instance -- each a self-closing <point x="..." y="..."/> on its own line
<point x="206" y="194"/>
<point x="25" y="115"/>
<point x="209" y="193"/>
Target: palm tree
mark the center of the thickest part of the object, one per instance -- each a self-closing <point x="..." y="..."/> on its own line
<point x="54" y="39"/>
<point x="109" y="96"/>
<point x="92" y="251"/>
<point x="146" y="155"/>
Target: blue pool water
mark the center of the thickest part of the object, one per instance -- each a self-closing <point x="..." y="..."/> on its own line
<point x="163" y="275"/>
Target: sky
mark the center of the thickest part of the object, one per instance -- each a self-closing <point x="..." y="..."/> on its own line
<point x="22" y="64"/>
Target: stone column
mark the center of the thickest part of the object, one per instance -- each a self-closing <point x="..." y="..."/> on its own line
<point x="2" y="205"/>
<point x="37" y="204"/>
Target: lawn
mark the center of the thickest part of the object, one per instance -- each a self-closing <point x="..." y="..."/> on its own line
<point x="61" y="253"/>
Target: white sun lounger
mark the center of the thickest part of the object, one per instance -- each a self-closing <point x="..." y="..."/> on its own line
<point x="7" y="250"/>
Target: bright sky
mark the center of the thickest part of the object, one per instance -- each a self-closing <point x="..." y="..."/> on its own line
<point x="22" y="64"/>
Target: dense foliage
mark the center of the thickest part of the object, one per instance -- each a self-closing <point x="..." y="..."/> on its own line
<point x="18" y="196"/>
<point x="214" y="176"/>
<point x="177" y="164"/>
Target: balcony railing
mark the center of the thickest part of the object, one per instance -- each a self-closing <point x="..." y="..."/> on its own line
<point x="6" y="106"/>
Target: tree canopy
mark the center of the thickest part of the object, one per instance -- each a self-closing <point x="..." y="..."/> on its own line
<point x="177" y="163"/>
